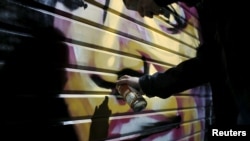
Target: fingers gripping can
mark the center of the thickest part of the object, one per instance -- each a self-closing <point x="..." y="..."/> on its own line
<point x="132" y="97"/>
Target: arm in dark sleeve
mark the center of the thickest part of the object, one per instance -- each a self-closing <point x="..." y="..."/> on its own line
<point x="187" y="74"/>
<point x="167" y="2"/>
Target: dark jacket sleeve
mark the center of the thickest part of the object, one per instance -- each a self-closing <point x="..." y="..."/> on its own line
<point x="187" y="74"/>
<point x="167" y="2"/>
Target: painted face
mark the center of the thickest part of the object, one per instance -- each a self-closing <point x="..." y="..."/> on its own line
<point x="104" y="45"/>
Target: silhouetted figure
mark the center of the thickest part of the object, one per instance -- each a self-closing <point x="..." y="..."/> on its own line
<point x="33" y="73"/>
<point x="30" y="81"/>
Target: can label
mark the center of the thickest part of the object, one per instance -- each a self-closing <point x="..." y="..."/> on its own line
<point x="123" y="90"/>
<point x="127" y="94"/>
<point x="132" y="97"/>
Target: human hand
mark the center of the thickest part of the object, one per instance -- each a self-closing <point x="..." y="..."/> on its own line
<point x="129" y="80"/>
<point x="146" y="8"/>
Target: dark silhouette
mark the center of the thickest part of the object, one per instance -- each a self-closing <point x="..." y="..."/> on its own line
<point x="34" y="55"/>
<point x="31" y="79"/>
<point x="100" y="122"/>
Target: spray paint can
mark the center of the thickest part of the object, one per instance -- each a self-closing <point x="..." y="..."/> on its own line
<point x="132" y="97"/>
